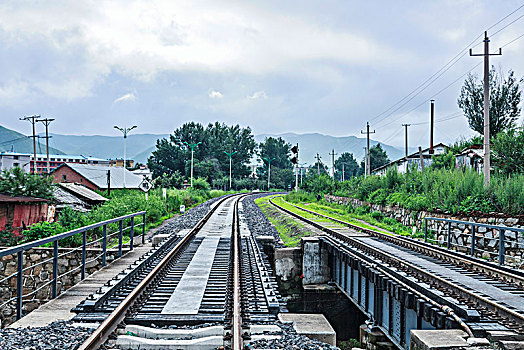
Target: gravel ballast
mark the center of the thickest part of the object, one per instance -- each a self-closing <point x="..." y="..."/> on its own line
<point x="291" y="340"/>
<point x="256" y="220"/>
<point x="56" y="335"/>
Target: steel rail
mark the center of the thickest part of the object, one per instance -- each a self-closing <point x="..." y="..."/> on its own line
<point x="101" y="334"/>
<point x="491" y="269"/>
<point x="236" y="341"/>
<point x="473" y="297"/>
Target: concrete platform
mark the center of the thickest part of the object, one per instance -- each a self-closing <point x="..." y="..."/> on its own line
<point x="313" y="326"/>
<point x="59" y="309"/>
<point x="446" y="339"/>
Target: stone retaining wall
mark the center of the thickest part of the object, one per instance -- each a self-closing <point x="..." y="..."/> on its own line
<point x="486" y="241"/>
<point x="37" y="276"/>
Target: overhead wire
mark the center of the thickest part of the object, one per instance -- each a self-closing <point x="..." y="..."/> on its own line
<point x="426" y="83"/>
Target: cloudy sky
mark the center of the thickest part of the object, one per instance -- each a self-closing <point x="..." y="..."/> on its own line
<point x="277" y="66"/>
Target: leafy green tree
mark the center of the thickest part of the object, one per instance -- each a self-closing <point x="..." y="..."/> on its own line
<point x="378" y="156"/>
<point x="508" y="151"/>
<point x="443" y="161"/>
<point x="278" y="149"/>
<point x="504" y="94"/>
<point x="16" y="182"/>
<point x="463" y="143"/>
<point x="347" y="162"/>
<point x="175" y="180"/>
<point x="210" y="161"/>
<point x="317" y="169"/>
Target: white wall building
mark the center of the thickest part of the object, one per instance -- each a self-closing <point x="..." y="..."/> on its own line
<point x="9" y="160"/>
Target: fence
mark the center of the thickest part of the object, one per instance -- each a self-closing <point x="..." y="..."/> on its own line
<point x="101" y="241"/>
<point x="496" y="239"/>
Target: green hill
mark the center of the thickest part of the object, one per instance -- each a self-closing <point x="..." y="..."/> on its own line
<point x="13" y="140"/>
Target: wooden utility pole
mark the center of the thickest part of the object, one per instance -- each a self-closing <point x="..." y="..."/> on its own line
<point x="109" y="182"/>
<point x="432" y="126"/>
<point x="368" y="159"/>
<point x="421" y="157"/>
<point x="46" y="122"/>
<point x="486" y="55"/>
<point x="32" y="119"/>
<point x="406" y="127"/>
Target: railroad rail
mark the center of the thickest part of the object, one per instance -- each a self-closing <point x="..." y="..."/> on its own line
<point x="192" y="278"/>
<point x="412" y="263"/>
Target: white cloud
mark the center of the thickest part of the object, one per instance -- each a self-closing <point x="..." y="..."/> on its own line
<point x="215" y="94"/>
<point x="127" y="97"/>
<point x="259" y="95"/>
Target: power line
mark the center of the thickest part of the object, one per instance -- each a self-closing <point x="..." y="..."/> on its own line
<point x="512" y="41"/>
<point x="507" y="25"/>
<point x="444" y="68"/>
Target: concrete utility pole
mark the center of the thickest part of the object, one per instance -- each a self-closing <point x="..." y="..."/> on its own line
<point x="46" y="122"/>
<point x="230" y="155"/>
<point x="368" y="159"/>
<point x="432" y="126"/>
<point x="32" y="119"/>
<point x="109" y="182"/>
<point x="269" y="160"/>
<point x="486" y="55"/>
<point x="125" y="131"/>
<point x="192" y="147"/>
<point x="406" y="127"/>
<point x="318" y="164"/>
<point x="332" y="154"/>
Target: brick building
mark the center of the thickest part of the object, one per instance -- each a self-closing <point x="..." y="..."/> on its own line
<point x="95" y="176"/>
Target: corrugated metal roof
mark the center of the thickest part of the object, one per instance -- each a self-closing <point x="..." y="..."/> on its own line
<point x="64" y="197"/>
<point x="83" y="191"/>
<point x="20" y="199"/>
<point x="97" y="174"/>
<point x="69" y="156"/>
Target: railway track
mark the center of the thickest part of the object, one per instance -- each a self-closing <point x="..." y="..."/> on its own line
<point x="210" y="286"/>
<point x="496" y="292"/>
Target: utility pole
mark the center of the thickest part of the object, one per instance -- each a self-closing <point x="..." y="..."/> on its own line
<point x="192" y="146"/>
<point x="368" y="159"/>
<point x="332" y="154"/>
<point x="108" y="182"/>
<point x="32" y="119"/>
<point x="46" y="122"/>
<point x="486" y="55"/>
<point x="269" y="160"/>
<point x="318" y="164"/>
<point x="406" y="127"/>
<point x="230" y="155"/>
<point x="421" y="157"/>
<point x="125" y="131"/>
<point x="432" y="126"/>
<point x="294" y="160"/>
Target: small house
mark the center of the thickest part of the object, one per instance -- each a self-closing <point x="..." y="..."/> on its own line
<point x="20" y="212"/>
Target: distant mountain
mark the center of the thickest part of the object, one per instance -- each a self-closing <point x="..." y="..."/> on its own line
<point x="13" y="140"/>
<point x="311" y="144"/>
<point x="139" y="146"/>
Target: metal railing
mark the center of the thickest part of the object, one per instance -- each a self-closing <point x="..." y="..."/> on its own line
<point x="102" y="241"/>
<point x="473" y="249"/>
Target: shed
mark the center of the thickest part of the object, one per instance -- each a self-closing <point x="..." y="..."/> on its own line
<point x="82" y="192"/>
<point x="20" y="212"/>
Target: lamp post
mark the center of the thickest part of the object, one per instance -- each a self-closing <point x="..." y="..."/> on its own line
<point x="230" y="155"/>
<point x="125" y="131"/>
<point x="192" y="146"/>
<point x="269" y="160"/>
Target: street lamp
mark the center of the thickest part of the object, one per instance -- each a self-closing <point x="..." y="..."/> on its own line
<point x="192" y="146"/>
<point x="125" y="131"/>
<point x="230" y="154"/>
<point x="269" y="160"/>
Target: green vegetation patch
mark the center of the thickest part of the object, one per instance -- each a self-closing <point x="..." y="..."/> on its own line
<point x="289" y="230"/>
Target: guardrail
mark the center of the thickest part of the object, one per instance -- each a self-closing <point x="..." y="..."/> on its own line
<point x="473" y="238"/>
<point x="103" y="241"/>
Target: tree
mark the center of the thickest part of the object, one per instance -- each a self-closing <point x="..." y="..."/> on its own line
<point x="504" y="94"/>
<point x="279" y="151"/>
<point x="443" y="161"/>
<point x="378" y="157"/>
<point x="210" y="161"/>
<point x="508" y="151"/>
<point x="350" y="166"/>
<point x="16" y="182"/>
